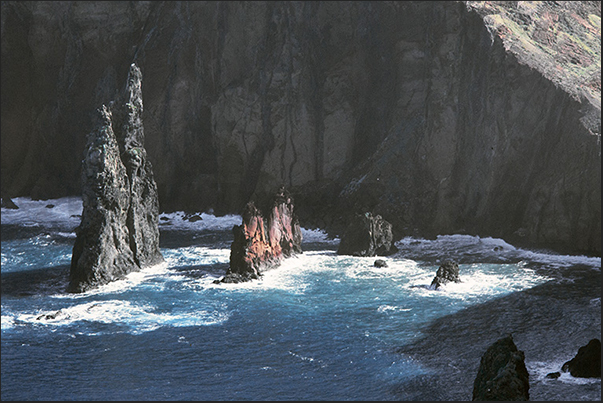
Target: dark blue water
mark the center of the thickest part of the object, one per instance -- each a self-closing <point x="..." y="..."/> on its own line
<point x="319" y="327"/>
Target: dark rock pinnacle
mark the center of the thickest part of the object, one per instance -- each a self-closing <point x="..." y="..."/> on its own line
<point x="119" y="230"/>
<point x="367" y="235"/>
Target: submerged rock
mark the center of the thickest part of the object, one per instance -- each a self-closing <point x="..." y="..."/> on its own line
<point x="261" y="243"/>
<point x="367" y="235"/>
<point x="447" y="272"/>
<point x="587" y="362"/>
<point x="502" y="374"/>
<point x="380" y="263"/>
<point x="118" y="232"/>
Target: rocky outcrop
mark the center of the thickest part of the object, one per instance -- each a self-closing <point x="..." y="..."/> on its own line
<point x="261" y="242"/>
<point x="7" y="202"/>
<point x="587" y="362"/>
<point x="119" y="230"/>
<point x="502" y="374"/>
<point x="367" y="235"/>
<point x="427" y="113"/>
<point x="447" y="272"/>
<point x="380" y="263"/>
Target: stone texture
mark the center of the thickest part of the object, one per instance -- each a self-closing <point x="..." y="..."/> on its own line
<point x="587" y="362"/>
<point x="261" y="242"/>
<point x="502" y="374"/>
<point x="430" y="114"/>
<point x="367" y="235"/>
<point x="101" y="252"/>
<point x="119" y="231"/>
<point x="447" y="272"/>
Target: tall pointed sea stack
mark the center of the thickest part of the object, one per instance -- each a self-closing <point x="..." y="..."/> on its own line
<point x="119" y="230"/>
<point x="261" y="243"/>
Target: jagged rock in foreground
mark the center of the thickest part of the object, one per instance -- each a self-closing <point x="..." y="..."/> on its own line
<point x="367" y="235"/>
<point x="587" y="362"/>
<point x="260" y="244"/>
<point x="502" y="374"/>
<point x="447" y="272"/>
<point x="119" y="230"/>
<point x="143" y="213"/>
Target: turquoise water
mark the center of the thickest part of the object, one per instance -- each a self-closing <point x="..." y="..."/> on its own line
<point x="319" y="327"/>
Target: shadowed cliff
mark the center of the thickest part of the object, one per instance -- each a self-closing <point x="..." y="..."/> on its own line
<point x="442" y="117"/>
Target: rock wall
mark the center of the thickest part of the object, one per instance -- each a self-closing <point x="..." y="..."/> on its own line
<point x="418" y="111"/>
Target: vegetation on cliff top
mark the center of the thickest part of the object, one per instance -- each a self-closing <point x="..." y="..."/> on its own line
<point x="561" y="39"/>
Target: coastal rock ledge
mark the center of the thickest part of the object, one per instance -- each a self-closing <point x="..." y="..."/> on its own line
<point x="261" y="243"/>
<point x="119" y="230"/>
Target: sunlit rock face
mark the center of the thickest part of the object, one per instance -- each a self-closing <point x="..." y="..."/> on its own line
<point x="119" y="230"/>
<point x="261" y="243"/>
<point x="431" y="114"/>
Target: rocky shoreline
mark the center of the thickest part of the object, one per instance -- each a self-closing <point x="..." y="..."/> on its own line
<point x="549" y="323"/>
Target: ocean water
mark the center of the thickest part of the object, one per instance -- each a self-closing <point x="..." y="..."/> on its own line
<point x="319" y="327"/>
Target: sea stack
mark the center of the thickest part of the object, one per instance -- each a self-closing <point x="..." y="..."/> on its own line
<point x="367" y="235"/>
<point x="260" y="242"/>
<point x="119" y="230"/>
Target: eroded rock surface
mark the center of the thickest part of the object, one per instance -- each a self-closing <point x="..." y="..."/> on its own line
<point x="502" y="374"/>
<point x="260" y="243"/>
<point x="447" y="272"/>
<point x="119" y="231"/>
<point x="367" y="235"/>
<point x="477" y="118"/>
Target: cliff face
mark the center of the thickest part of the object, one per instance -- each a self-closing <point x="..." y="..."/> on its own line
<point x="422" y="112"/>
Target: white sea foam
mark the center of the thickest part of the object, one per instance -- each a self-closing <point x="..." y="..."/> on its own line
<point x="66" y="212"/>
<point x="477" y="280"/>
<point x="129" y="282"/>
<point x="8" y="322"/>
<point x="177" y="221"/>
<point x="456" y="246"/>
<point x="317" y="235"/>
<point x="538" y="371"/>
<point x="195" y="255"/>
<point x="136" y="316"/>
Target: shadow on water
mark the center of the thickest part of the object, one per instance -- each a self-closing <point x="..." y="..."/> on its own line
<point x="45" y="281"/>
<point x="174" y="239"/>
<point x="549" y="322"/>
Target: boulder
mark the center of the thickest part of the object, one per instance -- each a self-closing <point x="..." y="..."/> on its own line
<point x="502" y="374"/>
<point x="447" y="272"/>
<point x="367" y="235"/>
<point x="119" y="228"/>
<point x="260" y="242"/>
<point x="380" y="263"/>
<point x="587" y="362"/>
